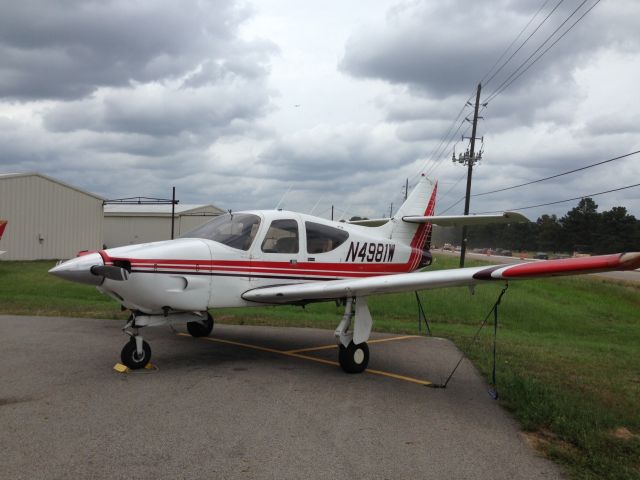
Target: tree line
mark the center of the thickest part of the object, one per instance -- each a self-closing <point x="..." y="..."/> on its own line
<point x="582" y="229"/>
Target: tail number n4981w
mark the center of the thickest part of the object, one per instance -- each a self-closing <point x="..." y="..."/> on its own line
<point x="370" y="252"/>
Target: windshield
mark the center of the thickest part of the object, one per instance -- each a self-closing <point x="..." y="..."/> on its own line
<point x="234" y="230"/>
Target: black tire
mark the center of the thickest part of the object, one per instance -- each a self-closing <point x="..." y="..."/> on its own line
<point x="197" y="329"/>
<point x="130" y="358"/>
<point x="354" y="358"/>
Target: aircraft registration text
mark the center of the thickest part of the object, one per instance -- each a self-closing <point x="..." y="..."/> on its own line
<point x="370" y="252"/>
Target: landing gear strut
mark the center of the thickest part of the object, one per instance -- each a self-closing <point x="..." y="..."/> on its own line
<point x="136" y="353"/>
<point x="353" y="354"/>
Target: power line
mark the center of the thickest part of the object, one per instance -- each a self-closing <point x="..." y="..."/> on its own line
<point x="557" y="175"/>
<point x="435" y="152"/>
<point x="444" y="195"/>
<point x="563" y="201"/>
<point x="437" y="163"/>
<point x="526" y="39"/>
<point x="510" y="79"/>
<point x="452" y="205"/>
<point x="438" y="150"/>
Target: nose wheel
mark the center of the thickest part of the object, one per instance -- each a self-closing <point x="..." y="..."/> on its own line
<point x="135" y="357"/>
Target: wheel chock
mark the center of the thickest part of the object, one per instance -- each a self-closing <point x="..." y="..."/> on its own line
<point x="120" y="368"/>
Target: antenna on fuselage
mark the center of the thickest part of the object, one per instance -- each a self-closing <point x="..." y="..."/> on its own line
<point x="281" y="199"/>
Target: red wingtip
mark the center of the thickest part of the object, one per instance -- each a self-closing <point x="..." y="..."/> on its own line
<point x="570" y="266"/>
<point x="630" y="261"/>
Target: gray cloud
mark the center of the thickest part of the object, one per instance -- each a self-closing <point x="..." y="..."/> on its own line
<point x="327" y="153"/>
<point x="70" y="49"/>
<point x="159" y="110"/>
<point x="444" y="48"/>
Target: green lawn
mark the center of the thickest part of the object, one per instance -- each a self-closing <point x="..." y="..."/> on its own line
<point x="568" y="350"/>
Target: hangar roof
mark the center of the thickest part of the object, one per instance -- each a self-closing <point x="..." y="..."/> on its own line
<point x="156" y="210"/>
<point x="46" y="177"/>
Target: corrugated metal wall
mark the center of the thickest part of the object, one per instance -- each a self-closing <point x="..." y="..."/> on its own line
<point x="129" y="230"/>
<point x="47" y="220"/>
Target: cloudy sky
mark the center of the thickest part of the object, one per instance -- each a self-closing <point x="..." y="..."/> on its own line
<point x="313" y="104"/>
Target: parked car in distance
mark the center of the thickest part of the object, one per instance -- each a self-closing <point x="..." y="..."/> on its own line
<point x="541" y="256"/>
<point x="507" y="253"/>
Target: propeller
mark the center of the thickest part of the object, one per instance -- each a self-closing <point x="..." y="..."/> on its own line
<point x="110" y="272"/>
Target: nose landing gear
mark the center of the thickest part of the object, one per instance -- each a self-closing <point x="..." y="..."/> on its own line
<point x="136" y="353"/>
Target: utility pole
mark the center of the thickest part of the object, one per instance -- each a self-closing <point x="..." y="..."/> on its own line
<point x="173" y="211"/>
<point x="469" y="159"/>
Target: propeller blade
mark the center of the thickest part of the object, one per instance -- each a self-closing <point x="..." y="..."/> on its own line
<point x="110" y="272"/>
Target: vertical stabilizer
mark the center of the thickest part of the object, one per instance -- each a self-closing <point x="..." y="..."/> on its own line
<point x="421" y="201"/>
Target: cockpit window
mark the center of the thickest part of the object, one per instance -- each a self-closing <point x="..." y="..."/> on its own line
<point x="323" y="238"/>
<point x="282" y="237"/>
<point x="234" y="230"/>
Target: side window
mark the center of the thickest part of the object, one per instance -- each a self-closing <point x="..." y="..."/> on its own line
<point x="282" y="237"/>
<point x="323" y="238"/>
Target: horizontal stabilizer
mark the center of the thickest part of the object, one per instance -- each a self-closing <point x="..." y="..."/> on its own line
<point x="458" y="220"/>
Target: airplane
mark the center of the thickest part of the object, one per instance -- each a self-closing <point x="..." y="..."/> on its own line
<point x="275" y="257"/>
<point x="3" y="226"/>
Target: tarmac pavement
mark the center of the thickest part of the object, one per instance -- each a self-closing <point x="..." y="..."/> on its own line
<point x="245" y="403"/>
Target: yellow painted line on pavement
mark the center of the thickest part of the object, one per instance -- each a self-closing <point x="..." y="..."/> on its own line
<point x="380" y="340"/>
<point x="399" y="377"/>
<point x="313" y="349"/>
<point x="333" y="345"/>
<point x="295" y="354"/>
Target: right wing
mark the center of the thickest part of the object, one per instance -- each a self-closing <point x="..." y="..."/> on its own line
<point x="406" y="282"/>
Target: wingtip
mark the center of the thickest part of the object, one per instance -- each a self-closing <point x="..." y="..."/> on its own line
<point x="630" y="261"/>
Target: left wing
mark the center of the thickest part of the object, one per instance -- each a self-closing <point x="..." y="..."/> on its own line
<point x="407" y="282"/>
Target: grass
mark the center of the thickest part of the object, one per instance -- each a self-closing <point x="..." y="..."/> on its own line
<point x="568" y="350"/>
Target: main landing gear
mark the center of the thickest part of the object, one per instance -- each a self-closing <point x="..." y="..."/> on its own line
<point x="353" y="354"/>
<point x="136" y="353"/>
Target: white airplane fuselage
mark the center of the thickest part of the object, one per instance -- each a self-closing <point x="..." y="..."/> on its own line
<point x="195" y="274"/>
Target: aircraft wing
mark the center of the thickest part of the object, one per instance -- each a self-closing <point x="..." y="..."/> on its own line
<point x="455" y="220"/>
<point x="406" y="282"/>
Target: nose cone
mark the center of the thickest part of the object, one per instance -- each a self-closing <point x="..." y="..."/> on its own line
<point x="79" y="269"/>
